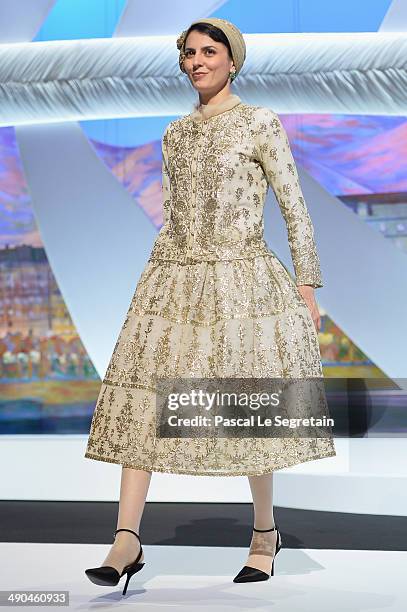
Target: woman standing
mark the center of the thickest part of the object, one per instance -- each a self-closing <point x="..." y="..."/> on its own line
<point x="212" y="302"/>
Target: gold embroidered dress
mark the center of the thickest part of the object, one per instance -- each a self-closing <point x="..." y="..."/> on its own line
<point x="213" y="300"/>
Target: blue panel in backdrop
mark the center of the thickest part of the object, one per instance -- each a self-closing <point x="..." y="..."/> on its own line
<point x="305" y="15"/>
<point x="73" y="19"/>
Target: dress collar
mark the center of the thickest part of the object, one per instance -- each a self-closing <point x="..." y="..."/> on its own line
<point x="205" y="111"/>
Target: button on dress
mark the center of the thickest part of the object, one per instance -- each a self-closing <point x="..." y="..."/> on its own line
<point x="213" y="300"/>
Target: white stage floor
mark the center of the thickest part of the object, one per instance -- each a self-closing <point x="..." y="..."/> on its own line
<point x="200" y="578"/>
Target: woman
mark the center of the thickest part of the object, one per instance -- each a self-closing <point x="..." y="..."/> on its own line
<point x="213" y="301"/>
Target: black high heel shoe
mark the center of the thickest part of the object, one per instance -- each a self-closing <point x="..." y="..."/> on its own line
<point x="109" y="576"/>
<point x="261" y="547"/>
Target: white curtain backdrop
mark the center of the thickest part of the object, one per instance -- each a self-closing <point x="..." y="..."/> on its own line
<point x="363" y="73"/>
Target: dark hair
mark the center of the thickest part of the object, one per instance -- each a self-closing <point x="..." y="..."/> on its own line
<point x="215" y="33"/>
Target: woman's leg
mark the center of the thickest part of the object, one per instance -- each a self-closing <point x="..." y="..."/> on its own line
<point x="263" y="545"/>
<point x="133" y="493"/>
<point x="262" y="494"/>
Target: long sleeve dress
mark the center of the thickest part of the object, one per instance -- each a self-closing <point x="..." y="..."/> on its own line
<point x="213" y="301"/>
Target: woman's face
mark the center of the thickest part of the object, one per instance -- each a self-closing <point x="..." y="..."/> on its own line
<point x="206" y="62"/>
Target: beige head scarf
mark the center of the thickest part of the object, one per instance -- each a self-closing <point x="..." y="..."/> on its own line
<point x="232" y="33"/>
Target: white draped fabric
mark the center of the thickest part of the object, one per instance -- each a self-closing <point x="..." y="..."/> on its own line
<point x="361" y="73"/>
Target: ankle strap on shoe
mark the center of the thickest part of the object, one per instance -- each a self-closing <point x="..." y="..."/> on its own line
<point x="264" y="530"/>
<point x="124" y="529"/>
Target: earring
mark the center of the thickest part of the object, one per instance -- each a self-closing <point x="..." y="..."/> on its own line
<point x="232" y="75"/>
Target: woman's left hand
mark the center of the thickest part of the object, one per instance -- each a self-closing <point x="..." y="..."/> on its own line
<point x="307" y="292"/>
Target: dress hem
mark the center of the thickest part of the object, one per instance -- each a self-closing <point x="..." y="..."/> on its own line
<point x="89" y="455"/>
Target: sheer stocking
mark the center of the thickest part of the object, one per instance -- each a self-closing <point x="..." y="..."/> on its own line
<point x="133" y="492"/>
<point x="263" y="545"/>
